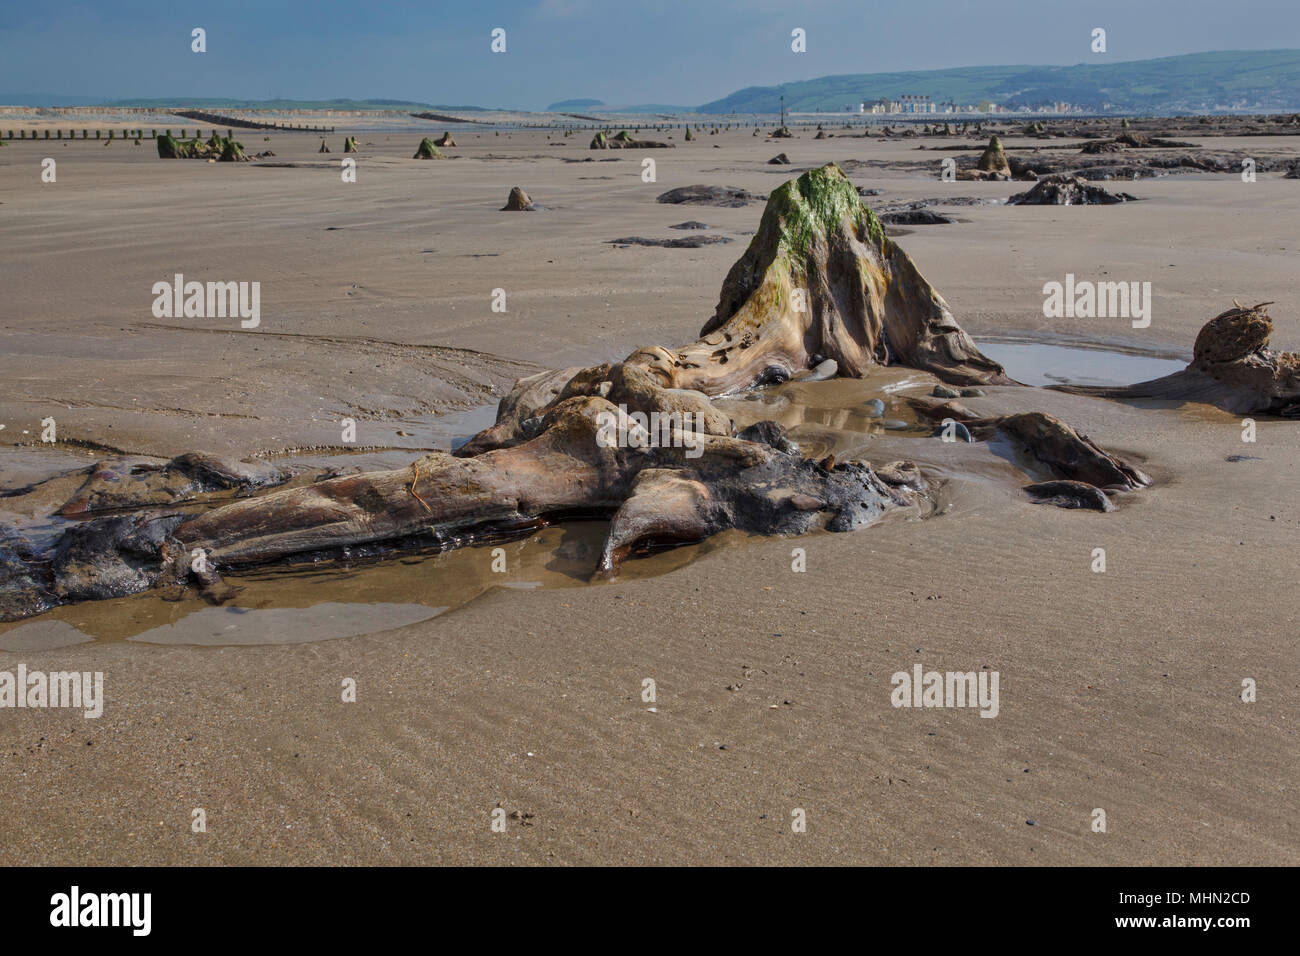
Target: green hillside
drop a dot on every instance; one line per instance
(1266, 79)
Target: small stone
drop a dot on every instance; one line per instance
(972, 393)
(875, 408)
(943, 391)
(894, 425)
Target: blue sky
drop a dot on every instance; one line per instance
(619, 51)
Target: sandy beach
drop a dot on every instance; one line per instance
(523, 690)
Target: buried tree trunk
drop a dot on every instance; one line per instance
(820, 290)
(518, 201)
(222, 148)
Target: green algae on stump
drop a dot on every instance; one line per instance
(993, 159)
(232, 152)
(221, 148)
(820, 278)
(427, 150)
(169, 148)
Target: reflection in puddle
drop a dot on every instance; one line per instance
(1041, 364)
(839, 417)
(21, 465)
(230, 625)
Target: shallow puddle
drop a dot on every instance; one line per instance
(838, 417)
(1037, 363)
(290, 604)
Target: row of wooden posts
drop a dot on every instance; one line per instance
(126, 134)
(153, 133)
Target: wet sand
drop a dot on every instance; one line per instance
(1118, 690)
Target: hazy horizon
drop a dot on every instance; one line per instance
(670, 52)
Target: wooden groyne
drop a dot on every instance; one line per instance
(234, 122)
(444, 118)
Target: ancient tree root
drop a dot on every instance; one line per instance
(820, 291)
(1078, 472)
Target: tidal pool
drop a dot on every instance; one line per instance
(1038, 363)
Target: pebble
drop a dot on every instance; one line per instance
(972, 393)
(894, 425)
(943, 391)
(875, 408)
